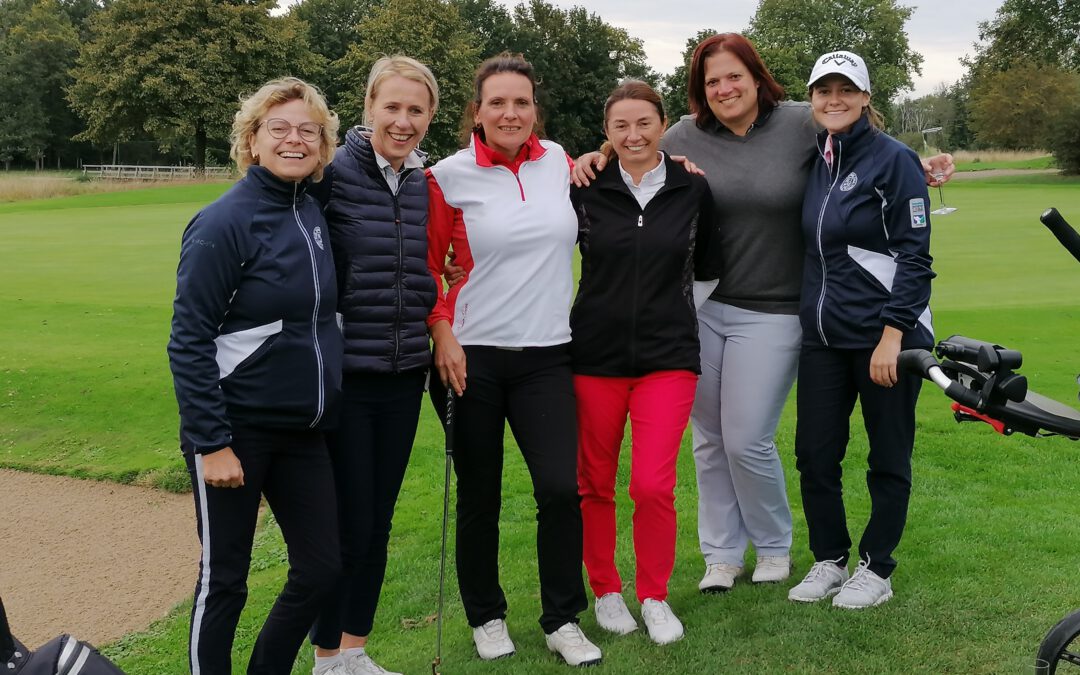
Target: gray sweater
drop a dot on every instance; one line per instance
(757, 181)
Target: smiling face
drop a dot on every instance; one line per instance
(731, 92)
(634, 128)
(838, 103)
(290, 158)
(400, 114)
(507, 112)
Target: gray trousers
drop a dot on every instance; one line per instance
(748, 365)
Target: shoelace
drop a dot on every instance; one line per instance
(861, 579)
(610, 609)
(818, 571)
(657, 612)
(369, 664)
(572, 633)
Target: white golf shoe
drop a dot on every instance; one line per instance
(572, 645)
(612, 614)
(664, 627)
(493, 641)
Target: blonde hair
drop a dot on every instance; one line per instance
(273, 93)
(400, 66)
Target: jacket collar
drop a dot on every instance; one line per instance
(281, 189)
(485, 156)
(846, 144)
(358, 141)
(764, 113)
(611, 179)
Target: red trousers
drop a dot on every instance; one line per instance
(658, 405)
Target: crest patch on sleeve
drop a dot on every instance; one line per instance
(918, 212)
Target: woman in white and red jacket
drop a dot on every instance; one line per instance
(502, 343)
(865, 296)
(645, 226)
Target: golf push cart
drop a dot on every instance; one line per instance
(982, 381)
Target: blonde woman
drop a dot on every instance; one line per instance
(377, 210)
(256, 360)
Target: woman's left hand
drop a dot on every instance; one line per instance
(883, 360)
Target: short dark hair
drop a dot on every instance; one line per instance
(769, 90)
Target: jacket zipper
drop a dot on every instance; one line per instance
(821, 252)
(315, 312)
(634, 299)
(400, 280)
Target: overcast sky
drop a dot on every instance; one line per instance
(941, 31)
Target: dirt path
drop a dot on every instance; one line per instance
(97, 560)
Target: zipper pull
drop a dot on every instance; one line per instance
(639, 220)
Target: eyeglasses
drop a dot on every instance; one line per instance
(279, 128)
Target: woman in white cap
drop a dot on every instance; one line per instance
(865, 296)
(757, 150)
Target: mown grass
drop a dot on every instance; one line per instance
(986, 567)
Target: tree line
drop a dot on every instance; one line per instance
(162, 80)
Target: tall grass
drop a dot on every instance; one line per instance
(986, 567)
(28, 185)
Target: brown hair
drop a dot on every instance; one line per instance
(505, 62)
(769, 90)
(273, 93)
(630, 90)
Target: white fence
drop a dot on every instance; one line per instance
(133, 172)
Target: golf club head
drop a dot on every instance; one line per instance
(943, 211)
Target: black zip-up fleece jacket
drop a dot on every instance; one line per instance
(254, 338)
(634, 312)
(380, 243)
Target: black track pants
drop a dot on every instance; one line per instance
(830, 380)
(370, 451)
(532, 389)
(292, 469)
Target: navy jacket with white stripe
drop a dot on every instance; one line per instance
(866, 225)
(254, 337)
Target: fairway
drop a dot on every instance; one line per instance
(988, 563)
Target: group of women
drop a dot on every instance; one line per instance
(280, 397)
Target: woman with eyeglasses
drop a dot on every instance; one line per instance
(256, 353)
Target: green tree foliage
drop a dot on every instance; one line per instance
(676, 99)
(1066, 141)
(491, 25)
(430, 31)
(38, 46)
(176, 69)
(332, 25)
(1045, 32)
(790, 34)
(1022, 107)
(579, 59)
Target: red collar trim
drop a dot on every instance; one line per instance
(487, 157)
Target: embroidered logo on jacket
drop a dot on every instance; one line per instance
(317, 233)
(849, 182)
(918, 212)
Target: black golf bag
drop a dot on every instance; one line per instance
(61, 656)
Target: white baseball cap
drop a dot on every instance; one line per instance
(847, 64)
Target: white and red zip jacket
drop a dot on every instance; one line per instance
(513, 229)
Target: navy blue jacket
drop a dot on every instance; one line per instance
(385, 291)
(254, 338)
(866, 224)
(634, 312)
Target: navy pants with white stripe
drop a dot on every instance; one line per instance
(292, 469)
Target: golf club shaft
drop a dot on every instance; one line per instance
(445, 522)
